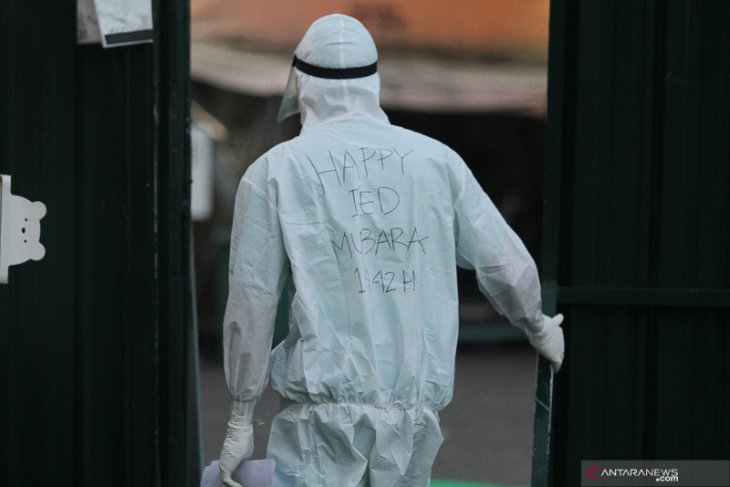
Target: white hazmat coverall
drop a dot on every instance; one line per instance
(365, 222)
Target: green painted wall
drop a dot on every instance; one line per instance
(637, 231)
(97, 383)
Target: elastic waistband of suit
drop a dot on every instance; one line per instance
(285, 403)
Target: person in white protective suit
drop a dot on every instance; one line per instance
(364, 223)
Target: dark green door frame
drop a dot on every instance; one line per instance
(97, 340)
(636, 238)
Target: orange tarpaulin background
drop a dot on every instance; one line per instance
(472, 26)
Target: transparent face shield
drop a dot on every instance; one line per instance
(290, 100)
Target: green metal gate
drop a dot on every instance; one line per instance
(637, 233)
(97, 361)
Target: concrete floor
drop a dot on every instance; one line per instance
(487, 428)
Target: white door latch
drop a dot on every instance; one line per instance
(20, 229)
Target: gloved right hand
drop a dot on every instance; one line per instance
(237, 447)
(550, 341)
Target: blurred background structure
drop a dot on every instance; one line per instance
(471, 73)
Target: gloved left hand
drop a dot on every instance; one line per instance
(549, 341)
(237, 447)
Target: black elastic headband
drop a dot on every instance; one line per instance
(335, 73)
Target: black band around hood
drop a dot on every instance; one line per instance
(335, 73)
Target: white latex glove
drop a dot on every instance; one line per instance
(237, 447)
(550, 341)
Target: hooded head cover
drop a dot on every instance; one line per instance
(334, 73)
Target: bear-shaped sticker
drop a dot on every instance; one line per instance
(20, 229)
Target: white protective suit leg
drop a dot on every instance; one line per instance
(359, 445)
